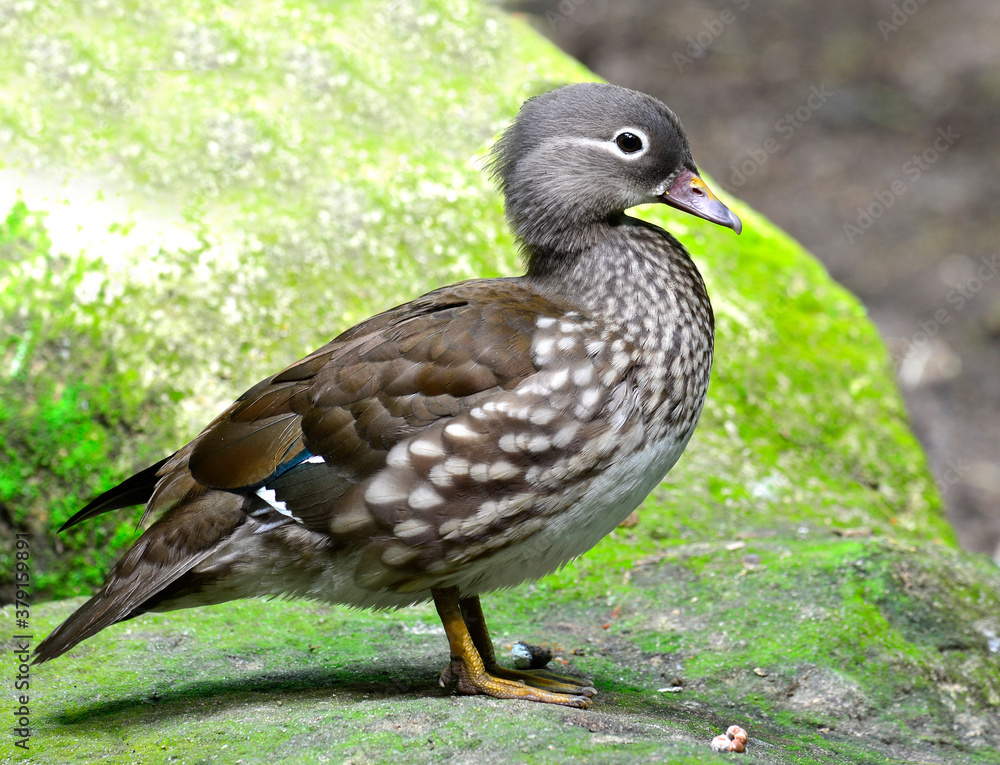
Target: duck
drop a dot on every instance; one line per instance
(478, 437)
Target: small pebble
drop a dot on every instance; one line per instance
(734, 740)
(527, 656)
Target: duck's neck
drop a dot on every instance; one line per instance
(635, 277)
(548, 229)
(640, 284)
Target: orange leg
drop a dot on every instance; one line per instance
(473, 662)
(472, 613)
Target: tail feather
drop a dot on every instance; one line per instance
(171, 547)
(93, 616)
(132, 491)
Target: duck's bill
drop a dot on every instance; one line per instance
(692, 195)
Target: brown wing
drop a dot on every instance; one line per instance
(351, 401)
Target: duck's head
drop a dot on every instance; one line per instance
(583, 154)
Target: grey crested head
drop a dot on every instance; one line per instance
(577, 157)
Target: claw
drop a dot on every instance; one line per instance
(446, 677)
(474, 680)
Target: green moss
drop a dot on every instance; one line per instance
(66, 408)
(874, 619)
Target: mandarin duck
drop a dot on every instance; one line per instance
(475, 438)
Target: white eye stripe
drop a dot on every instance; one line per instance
(612, 147)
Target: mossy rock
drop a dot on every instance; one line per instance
(826, 651)
(177, 235)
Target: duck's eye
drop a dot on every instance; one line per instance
(629, 143)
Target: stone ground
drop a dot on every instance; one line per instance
(887, 655)
(872, 84)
